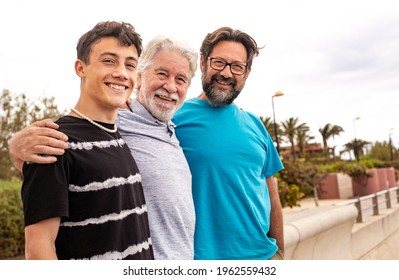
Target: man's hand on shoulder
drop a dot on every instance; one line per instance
(39, 138)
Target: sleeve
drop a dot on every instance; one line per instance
(45, 191)
(273, 162)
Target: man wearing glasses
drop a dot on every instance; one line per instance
(232, 158)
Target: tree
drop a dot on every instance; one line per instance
(303, 138)
(16, 112)
(305, 175)
(290, 130)
(269, 125)
(357, 146)
(382, 151)
(328, 131)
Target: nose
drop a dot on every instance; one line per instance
(170, 86)
(226, 72)
(121, 72)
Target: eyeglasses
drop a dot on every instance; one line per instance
(235, 67)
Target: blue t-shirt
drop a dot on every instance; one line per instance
(230, 155)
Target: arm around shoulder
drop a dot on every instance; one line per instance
(35, 140)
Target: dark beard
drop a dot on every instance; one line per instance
(219, 98)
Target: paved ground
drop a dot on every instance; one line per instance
(309, 202)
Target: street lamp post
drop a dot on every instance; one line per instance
(277, 94)
(390, 143)
(354, 125)
(356, 146)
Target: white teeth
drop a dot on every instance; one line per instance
(117, 87)
(223, 83)
(165, 97)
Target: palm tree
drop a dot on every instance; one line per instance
(328, 131)
(269, 125)
(357, 145)
(290, 129)
(303, 137)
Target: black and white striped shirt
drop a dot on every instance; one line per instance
(95, 187)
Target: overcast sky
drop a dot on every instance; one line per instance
(333, 60)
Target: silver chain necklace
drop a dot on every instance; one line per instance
(94, 123)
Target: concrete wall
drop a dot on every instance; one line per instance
(329, 187)
(391, 177)
(344, 186)
(383, 182)
(336, 185)
(339, 185)
(330, 233)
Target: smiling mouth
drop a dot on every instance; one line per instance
(166, 98)
(223, 82)
(117, 87)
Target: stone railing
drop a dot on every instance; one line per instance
(332, 233)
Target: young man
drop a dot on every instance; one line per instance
(165, 70)
(89, 204)
(231, 156)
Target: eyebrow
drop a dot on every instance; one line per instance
(115, 55)
(235, 61)
(161, 68)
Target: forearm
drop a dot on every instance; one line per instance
(276, 215)
(40, 250)
(277, 225)
(40, 240)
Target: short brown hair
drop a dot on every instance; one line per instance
(122, 31)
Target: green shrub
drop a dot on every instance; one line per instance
(290, 195)
(11, 220)
(356, 170)
(304, 175)
(372, 163)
